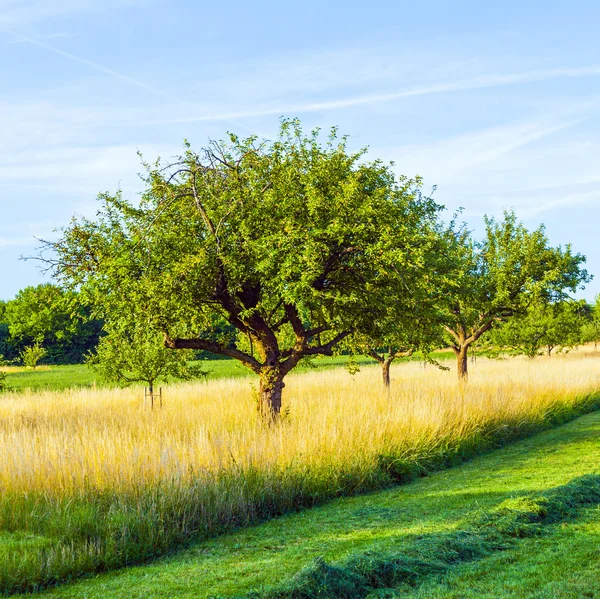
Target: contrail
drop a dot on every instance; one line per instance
(102, 69)
(93, 65)
(465, 85)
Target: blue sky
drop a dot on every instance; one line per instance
(498, 104)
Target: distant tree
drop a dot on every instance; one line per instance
(542, 326)
(32, 355)
(138, 355)
(7, 350)
(591, 326)
(401, 333)
(295, 243)
(54, 318)
(500, 277)
(3, 383)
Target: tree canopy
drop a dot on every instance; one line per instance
(543, 326)
(591, 327)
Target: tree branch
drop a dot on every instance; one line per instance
(479, 332)
(371, 352)
(452, 332)
(327, 348)
(215, 348)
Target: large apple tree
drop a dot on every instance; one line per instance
(295, 243)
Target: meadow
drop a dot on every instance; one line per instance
(93, 480)
(58, 378)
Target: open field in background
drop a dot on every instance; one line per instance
(58, 378)
(92, 480)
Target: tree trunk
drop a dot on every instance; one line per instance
(462, 362)
(151, 392)
(385, 368)
(269, 395)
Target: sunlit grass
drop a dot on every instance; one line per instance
(105, 481)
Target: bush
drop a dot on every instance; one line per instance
(32, 355)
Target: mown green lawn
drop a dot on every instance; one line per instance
(563, 562)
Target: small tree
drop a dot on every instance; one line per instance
(32, 354)
(401, 334)
(409, 324)
(547, 326)
(591, 326)
(136, 355)
(500, 277)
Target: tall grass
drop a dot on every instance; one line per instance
(93, 480)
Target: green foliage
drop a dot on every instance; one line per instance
(32, 355)
(3, 383)
(352, 365)
(294, 244)
(7, 349)
(133, 354)
(52, 317)
(547, 326)
(491, 281)
(591, 327)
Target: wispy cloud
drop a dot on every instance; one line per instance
(25, 12)
(444, 160)
(17, 241)
(481, 82)
(48, 36)
(111, 72)
(546, 204)
(92, 65)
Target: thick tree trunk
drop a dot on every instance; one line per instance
(269, 395)
(385, 370)
(462, 362)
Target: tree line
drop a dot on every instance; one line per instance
(49, 323)
(271, 253)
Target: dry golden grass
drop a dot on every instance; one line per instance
(13, 369)
(64, 444)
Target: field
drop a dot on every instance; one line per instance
(560, 561)
(58, 378)
(93, 480)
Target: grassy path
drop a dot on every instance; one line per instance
(560, 564)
